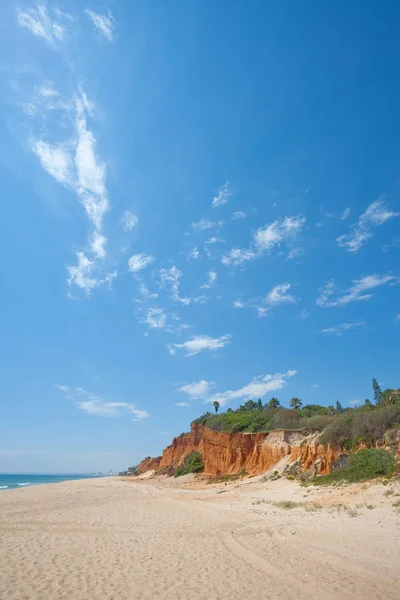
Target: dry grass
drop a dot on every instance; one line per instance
(287, 504)
(257, 501)
(312, 506)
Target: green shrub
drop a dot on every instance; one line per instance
(287, 419)
(193, 464)
(319, 422)
(344, 428)
(339, 431)
(360, 425)
(371, 463)
(310, 410)
(364, 465)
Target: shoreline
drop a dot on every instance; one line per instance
(35, 477)
(117, 538)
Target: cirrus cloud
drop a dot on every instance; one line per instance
(199, 343)
(357, 292)
(222, 196)
(137, 262)
(375, 215)
(104, 24)
(197, 389)
(339, 330)
(257, 388)
(93, 404)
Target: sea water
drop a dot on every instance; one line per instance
(13, 481)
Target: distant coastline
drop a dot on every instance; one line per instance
(12, 481)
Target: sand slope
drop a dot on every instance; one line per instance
(111, 539)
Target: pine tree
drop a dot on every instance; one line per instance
(259, 404)
(339, 407)
(377, 391)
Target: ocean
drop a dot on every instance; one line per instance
(10, 481)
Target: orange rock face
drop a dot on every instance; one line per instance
(229, 453)
(149, 464)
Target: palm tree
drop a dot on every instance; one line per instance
(216, 406)
(274, 403)
(389, 397)
(296, 403)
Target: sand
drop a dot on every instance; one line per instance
(111, 539)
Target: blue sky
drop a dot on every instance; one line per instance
(200, 201)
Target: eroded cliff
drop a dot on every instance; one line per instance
(229, 453)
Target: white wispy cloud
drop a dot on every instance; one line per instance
(209, 243)
(40, 24)
(346, 214)
(48, 90)
(95, 405)
(278, 295)
(205, 224)
(358, 291)
(238, 257)
(342, 328)
(91, 172)
(257, 388)
(238, 304)
(295, 253)
(376, 215)
(48, 98)
(104, 24)
(56, 160)
(304, 314)
(169, 278)
(75, 165)
(222, 196)
(199, 343)
(212, 278)
(112, 409)
(326, 292)
(239, 214)
(198, 389)
(81, 274)
(62, 15)
(137, 262)
(98, 243)
(129, 221)
(193, 254)
(182, 404)
(155, 318)
(200, 299)
(214, 240)
(85, 274)
(283, 230)
(145, 292)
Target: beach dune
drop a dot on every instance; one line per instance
(109, 539)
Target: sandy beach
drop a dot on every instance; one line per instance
(113, 539)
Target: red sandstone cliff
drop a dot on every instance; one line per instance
(229, 453)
